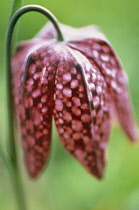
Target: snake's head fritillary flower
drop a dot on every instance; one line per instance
(80, 82)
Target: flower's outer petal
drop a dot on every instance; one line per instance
(34, 104)
(25, 48)
(19, 60)
(71, 33)
(82, 110)
(107, 61)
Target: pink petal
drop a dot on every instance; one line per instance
(102, 54)
(70, 33)
(47, 32)
(35, 89)
(82, 110)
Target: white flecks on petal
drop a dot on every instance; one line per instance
(67, 77)
(80, 88)
(61, 130)
(37, 120)
(84, 106)
(39, 105)
(93, 113)
(103, 145)
(38, 135)
(43, 73)
(77, 125)
(76, 111)
(114, 85)
(100, 114)
(45, 131)
(43, 99)
(28, 102)
(89, 95)
(92, 86)
(36, 93)
(85, 118)
(29, 125)
(106, 49)
(81, 95)
(36, 75)
(60, 120)
(30, 82)
(96, 46)
(67, 116)
(96, 101)
(69, 104)
(59, 86)
(99, 90)
(74, 84)
(67, 92)
(94, 77)
(58, 105)
(105, 57)
(44, 109)
(77, 136)
(32, 68)
(76, 101)
(78, 76)
(73, 70)
(79, 154)
(95, 53)
(66, 135)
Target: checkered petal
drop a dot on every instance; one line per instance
(34, 106)
(82, 110)
(102, 54)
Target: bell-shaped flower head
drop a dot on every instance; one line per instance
(80, 82)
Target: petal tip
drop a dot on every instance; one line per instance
(134, 135)
(100, 174)
(97, 172)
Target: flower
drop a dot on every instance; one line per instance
(82, 83)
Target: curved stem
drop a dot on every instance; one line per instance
(16, 4)
(11, 138)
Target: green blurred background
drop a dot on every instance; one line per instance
(65, 185)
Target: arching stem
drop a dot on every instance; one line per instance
(10, 130)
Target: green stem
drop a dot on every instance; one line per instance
(11, 138)
(15, 180)
(15, 5)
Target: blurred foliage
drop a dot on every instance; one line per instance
(65, 185)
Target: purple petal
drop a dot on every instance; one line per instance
(102, 54)
(82, 110)
(34, 103)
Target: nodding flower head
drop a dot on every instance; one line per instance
(79, 81)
